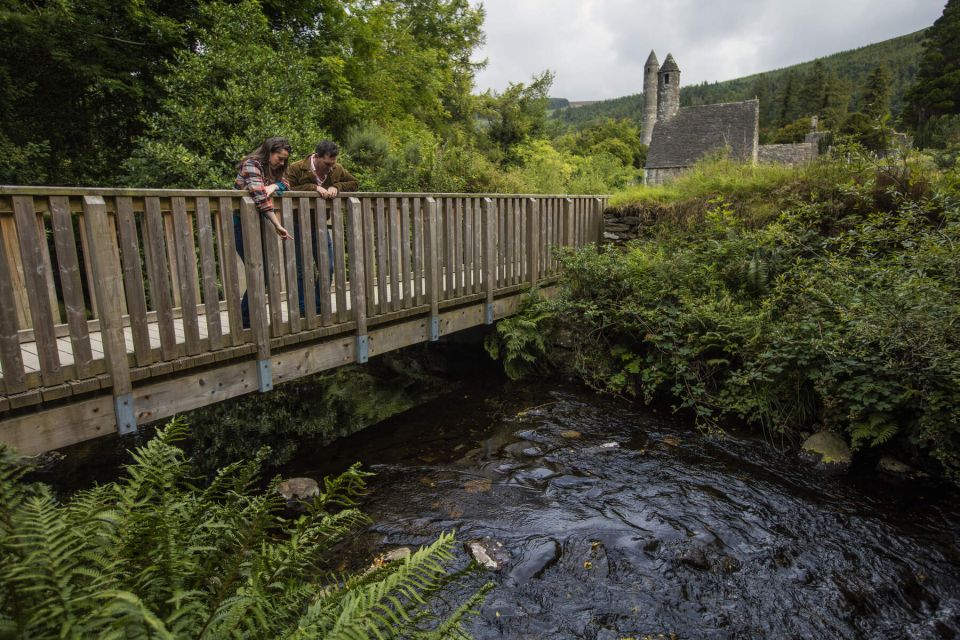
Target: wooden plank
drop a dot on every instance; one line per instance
(35, 273)
(449, 240)
(228, 269)
(309, 267)
(323, 255)
(406, 288)
(71, 284)
(458, 269)
(489, 223)
(568, 231)
(272, 259)
(478, 245)
(393, 228)
(431, 229)
(14, 376)
(290, 266)
(340, 259)
(468, 237)
(418, 272)
(369, 240)
(186, 273)
(208, 271)
(170, 243)
(109, 290)
(513, 255)
(358, 280)
(253, 259)
(132, 279)
(44, 247)
(533, 240)
(383, 251)
(160, 295)
(8, 227)
(597, 221)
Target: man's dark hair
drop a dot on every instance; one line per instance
(327, 147)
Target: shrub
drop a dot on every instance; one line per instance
(154, 555)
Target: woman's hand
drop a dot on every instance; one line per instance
(270, 189)
(283, 233)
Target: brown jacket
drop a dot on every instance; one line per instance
(302, 178)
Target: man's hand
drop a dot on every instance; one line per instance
(333, 192)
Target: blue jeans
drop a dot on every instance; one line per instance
(298, 254)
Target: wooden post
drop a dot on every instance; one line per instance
(208, 275)
(272, 257)
(290, 265)
(533, 240)
(256, 290)
(355, 236)
(307, 264)
(489, 254)
(393, 227)
(109, 290)
(598, 220)
(369, 257)
(432, 266)
(339, 257)
(468, 245)
(406, 283)
(383, 251)
(418, 272)
(159, 281)
(568, 237)
(323, 255)
(14, 378)
(228, 269)
(35, 273)
(186, 264)
(132, 280)
(71, 284)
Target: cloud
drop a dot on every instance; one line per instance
(597, 47)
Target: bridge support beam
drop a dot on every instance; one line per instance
(264, 376)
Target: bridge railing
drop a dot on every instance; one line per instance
(100, 288)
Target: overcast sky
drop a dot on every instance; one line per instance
(597, 47)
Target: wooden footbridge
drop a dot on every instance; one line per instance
(121, 307)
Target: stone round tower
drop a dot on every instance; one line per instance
(668, 89)
(650, 70)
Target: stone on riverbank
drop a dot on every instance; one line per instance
(828, 450)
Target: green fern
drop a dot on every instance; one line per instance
(152, 555)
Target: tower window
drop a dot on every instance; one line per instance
(666, 78)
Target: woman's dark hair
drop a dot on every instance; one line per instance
(262, 155)
(327, 148)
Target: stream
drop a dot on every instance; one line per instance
(609, 520)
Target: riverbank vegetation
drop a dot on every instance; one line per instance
(826, 296)
(154, 555)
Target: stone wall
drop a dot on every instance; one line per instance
(787, 153)
(619, 227)
(654, 177)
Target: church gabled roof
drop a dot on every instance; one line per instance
(669, 64)
(696, 131)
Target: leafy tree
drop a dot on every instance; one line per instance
(875, 95)
(936, 90)
(518, 113)
(242, 83)
(77, 75)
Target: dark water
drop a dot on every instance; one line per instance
(671, 532)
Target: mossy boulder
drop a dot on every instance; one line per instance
(828, 451)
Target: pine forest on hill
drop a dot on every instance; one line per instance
(840, 74)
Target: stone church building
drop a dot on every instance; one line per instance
(680, 136)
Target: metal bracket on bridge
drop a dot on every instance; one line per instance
(489, 315)
(363, 349)
(264, 375)
(123, 409)
(434, 328)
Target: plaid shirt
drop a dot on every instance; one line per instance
(251, 178)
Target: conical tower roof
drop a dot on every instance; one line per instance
(652, 59)
(669, 64)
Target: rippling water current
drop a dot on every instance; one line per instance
(667, 532)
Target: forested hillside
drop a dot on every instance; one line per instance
(786, 93)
